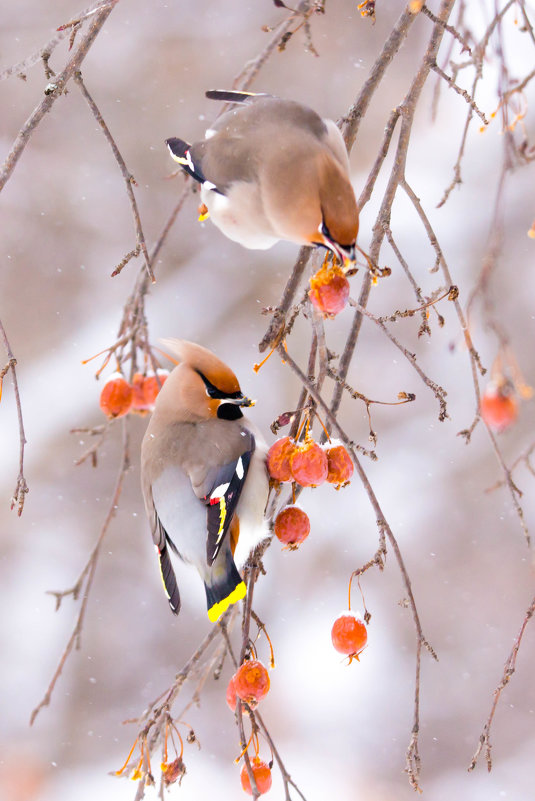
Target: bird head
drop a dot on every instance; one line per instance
(201, 387)
(339, 224)
(344, 252)
(311, 201)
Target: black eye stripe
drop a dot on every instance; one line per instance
(216, 393)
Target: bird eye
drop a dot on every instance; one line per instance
(217, 394)
(325, 231)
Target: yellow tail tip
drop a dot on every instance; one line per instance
(215, 611)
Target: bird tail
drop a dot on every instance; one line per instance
(224, 586)
(169, 579)
(180, 152)
(232, 96)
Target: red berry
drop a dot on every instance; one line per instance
(499, 407)
(349, 634)
(231, 694)
(261, 773)
(278, 459)
(172, 771)
(251, 682)
(151, 388)
(138, 382)
(292, 526)
(329, 290)
(340, 466)
(117, 396)
(309, 464)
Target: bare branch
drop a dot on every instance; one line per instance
(509, 669)
(462, 92)
(52, 92)
(85, 581)
(21, 488)
(413, 764)
(127, 175)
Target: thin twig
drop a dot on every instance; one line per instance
(509, 669)
(127, 175)
(21, 488)
(462, 92)
(83, 585)
(407, 110)
(349, 126)
(45, 52)
(437, 390)
(450, 28)
(52, 92)
(413, 762)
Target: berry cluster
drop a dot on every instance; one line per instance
(250, 684)
(119, 397)
(309, 464)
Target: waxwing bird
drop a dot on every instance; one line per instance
(204, 477)
(273, 169)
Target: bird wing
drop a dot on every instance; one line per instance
(226, 485)
(161, 541)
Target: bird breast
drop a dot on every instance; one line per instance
(240, 215)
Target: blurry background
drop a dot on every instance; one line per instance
(65, 223)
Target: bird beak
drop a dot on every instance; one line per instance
(243, 401)
(347, 256)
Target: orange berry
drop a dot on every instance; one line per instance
(278, 459)
(117, 396)
(251, 682)
(151, 388)
(498, 407)
(172, 771)
(139, 395)
(340, 466)
(349, 634)
(261, 773)
(292, 526)
(329, 291)
(309, 464)
(231, 694)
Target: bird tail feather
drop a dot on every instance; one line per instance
(233, 96)
(169, 579)
(224, 587)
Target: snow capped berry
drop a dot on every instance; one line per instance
(117, 396)
(329, 290)
(231, 694)
(349, 634)
(499, 406)
(292, 526)
(251, 682)
(309, 464)
(340, 466)
(261, 773)
(151, 387)
(278, 459)
(138, 382)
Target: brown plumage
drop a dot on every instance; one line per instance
(203, 476)
(273, 169)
